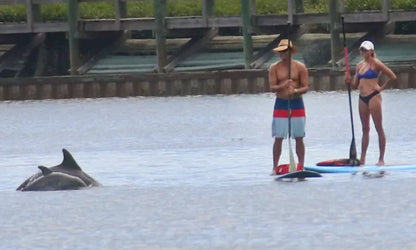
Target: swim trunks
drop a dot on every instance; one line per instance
(280, 124)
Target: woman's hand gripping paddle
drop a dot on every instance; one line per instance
(353, 152)
(292, 164)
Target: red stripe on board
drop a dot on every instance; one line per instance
(285, 113)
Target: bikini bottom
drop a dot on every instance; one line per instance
(366, 99)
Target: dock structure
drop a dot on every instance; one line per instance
(30, 42)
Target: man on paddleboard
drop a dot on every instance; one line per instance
(289, 90)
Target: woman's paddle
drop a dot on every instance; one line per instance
(353, 152)
(292, 164)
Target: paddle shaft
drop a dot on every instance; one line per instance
(353, 151)
(292, 164)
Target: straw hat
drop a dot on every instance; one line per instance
(283, 45)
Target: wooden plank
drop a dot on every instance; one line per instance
(50, 27)
(402, 16)
(199, 22)
(110, 24)
(261, 22)
(315, 18)
(48, 1)
(271, 20)
(13, 28)
(365, 17)
(231, 21)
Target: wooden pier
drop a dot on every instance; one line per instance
(108, 33)
(198, 28)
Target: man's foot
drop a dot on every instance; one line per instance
(380, 163)
(362, 162)
(273, 172)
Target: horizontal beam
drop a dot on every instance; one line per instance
(198, 22)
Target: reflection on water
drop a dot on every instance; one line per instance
(192, 172)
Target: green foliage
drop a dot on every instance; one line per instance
(404, 4)
(267, 7)
(184, 8)
(359, 5)
(316, 6)
(140, 9)
(12, 13)
(54, 12)
(227, 7)
(96, 10)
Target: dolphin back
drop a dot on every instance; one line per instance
(68, 175)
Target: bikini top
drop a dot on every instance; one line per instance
(369, 74)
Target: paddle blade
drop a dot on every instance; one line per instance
(353, 151)
(353, 154)
(292, 164)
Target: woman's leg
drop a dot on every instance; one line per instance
(377, 115)
(365, 123)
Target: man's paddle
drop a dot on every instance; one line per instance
(353, 152)
(292, 164)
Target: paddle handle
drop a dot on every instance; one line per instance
(347, 65)
(353, 150)
(292, 164)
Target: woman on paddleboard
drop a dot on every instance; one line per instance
(366, 79)
(288, 88)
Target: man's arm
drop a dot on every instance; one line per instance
(275, 85)
(303, 80)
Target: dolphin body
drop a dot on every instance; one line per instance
(66, 176)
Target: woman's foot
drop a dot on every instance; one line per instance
(380, 163)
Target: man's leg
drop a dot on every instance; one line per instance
(277, 151)
(300, 150)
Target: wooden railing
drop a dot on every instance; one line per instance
(207, 19)
(250, 22)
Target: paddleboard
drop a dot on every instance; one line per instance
(339, 162)
(354, 169)
(299, 174)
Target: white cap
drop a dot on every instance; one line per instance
(367, 45)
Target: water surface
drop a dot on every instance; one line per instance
(192, 173)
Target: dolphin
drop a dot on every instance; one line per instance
(68, 168)
(50, 181)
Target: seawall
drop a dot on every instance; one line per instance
(172, 84)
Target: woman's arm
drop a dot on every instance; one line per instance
(388, 72)
(355, 81)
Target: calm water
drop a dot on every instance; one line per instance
(192, 173)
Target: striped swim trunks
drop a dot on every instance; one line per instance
(280, 125)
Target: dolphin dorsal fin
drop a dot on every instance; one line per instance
(45, 170)
(68, 161)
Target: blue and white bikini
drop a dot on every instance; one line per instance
(369, 74)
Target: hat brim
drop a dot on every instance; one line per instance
(293, 49)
